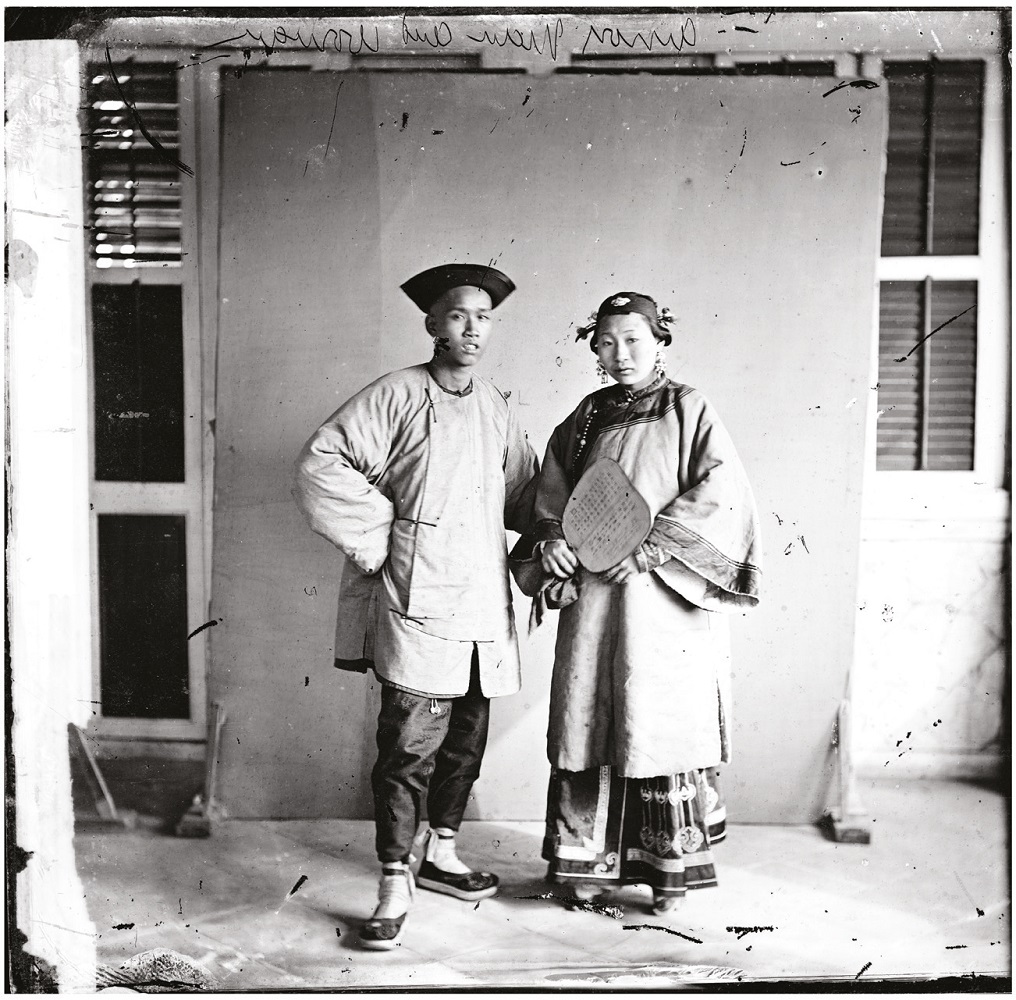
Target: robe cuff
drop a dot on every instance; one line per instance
(649, 557)
(360, 666)
(737, 581)
(547, 530)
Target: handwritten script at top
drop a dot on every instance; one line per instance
(545, 40)
(333, 40)
(527, 41)
(616, 38)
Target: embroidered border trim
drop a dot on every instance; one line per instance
(674, 865)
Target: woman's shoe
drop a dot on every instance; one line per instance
(588, 892)
(665, 903)
(383, 931)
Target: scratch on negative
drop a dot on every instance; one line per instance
(657, 927)
(72, 930)
(928, 336)
(296, 888)
(742, 931)
(743, 144)
(152, 141)
(201, 628)
(335, 111)
(863, 84)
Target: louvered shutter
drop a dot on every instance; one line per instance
(906, 177)
(133, 188)
(956, 128)
(926, 403)
(899, 383)
(933, 158)
(926, 400)
(952, 356)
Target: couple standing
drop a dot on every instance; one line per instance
(416, 479)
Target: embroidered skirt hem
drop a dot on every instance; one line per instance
(605, 829)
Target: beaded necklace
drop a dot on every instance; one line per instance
(586, 434)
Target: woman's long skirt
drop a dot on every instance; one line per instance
(606, 829)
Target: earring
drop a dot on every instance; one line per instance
(602, 372)
(661, 363)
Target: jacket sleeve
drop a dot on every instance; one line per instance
(336, 475)
(552, 490)
(521, 471)
(709, 535)
(554, 486)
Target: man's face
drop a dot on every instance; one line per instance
(460, 324)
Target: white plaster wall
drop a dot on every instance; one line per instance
(929, 679)
(48, 546)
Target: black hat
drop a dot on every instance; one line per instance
(428, 286)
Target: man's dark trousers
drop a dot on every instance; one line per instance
(426, 747)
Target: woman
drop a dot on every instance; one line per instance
(638, 704)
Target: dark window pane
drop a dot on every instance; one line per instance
(901, 326)
(956, 126)
(926, 401)
(137, 332)
(143, 616)
(933, 158)
(952, 358)
(133, 188)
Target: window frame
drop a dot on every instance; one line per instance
(192, 497)
(981, 491)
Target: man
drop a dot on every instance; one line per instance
(415, 479)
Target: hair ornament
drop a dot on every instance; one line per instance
(589, 327)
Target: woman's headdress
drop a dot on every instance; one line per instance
(622, 303)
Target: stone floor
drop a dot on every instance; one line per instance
(928, 898)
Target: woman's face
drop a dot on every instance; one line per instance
(626, 347)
